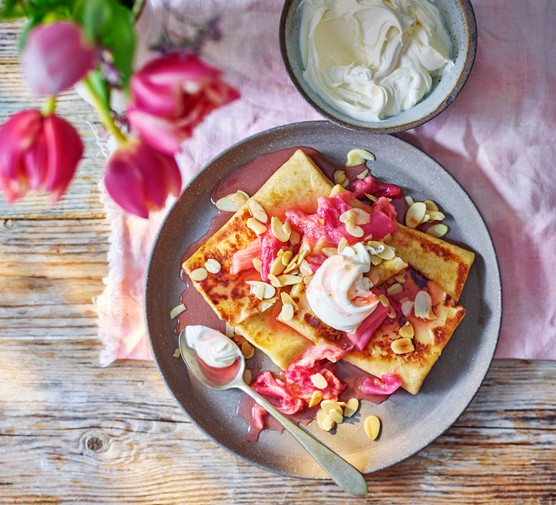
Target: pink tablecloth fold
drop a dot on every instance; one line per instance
(498, 139)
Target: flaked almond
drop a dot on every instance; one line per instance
(352, 406)
(336, 417)
(324, 422)
(247, 376)
(340, 178)
(264, 305)
(342, 244)
(262, 290)
(199, 274)
(213, 266)
(363, 174)
(247, 350)
(348, 217)
(383, 300)
(435, 215)
(256, 226)
(232, 202)
(177, 310)
(274, 281)
(280, 230)
(287, 312)
(402, 345)
(286, 298)
(394, 288)
(297, 290)
(336, 190)
(319, 381)
(277, 267)
(400, 278)
(316, 398)
(431, 205)
(295, 237)
(361, 216)
(287, 257)
(358, 157)
(372, 427)
(409, 200)
(407, 307)
(329, 405)
(388, 253)
(438, 230)
(415, 214)
(289, 280)
(257, 264)
(407, 330)
(371, 198)
(355, 231)
(422, 304)
(329, 251)
(305, 269)
(256, 209)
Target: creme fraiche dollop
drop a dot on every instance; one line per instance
(213, 347)
(339, 293)
(372, 59)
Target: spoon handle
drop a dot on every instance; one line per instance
(341, 472)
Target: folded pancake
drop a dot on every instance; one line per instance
(378, 357)
(296, 184)
(438, 260)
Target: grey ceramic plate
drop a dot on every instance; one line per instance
(409, 422)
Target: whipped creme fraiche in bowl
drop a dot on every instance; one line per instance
(380, 65)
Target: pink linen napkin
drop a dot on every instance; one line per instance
(498, 139)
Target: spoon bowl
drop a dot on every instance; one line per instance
(339, 470)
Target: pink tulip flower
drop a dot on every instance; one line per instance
(139, 178)
(37, 153)
(56, 56)
(171, 95)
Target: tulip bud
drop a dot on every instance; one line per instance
(139, 179)
(37, 153)
(56, 56)
(171, 95)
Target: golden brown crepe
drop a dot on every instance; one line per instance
(297, 185)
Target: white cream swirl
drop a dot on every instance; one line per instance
(213, 347)
(371, 59)
(337, 292)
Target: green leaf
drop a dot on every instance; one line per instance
(101, 89)
(110, 24)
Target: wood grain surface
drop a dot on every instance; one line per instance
(73, 432)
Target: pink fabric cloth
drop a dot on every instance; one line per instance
(498, 139)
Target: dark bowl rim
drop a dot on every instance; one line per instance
(470, 49)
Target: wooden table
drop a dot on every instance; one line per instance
(73, 432)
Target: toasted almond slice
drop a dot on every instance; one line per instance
(400, 278)
(232, 202)
(261, 216)
(351, 407)
(177, 310)
(256, 226)
(340, 178)
(358, 157)
(264, 305)
(247, 350)
(438, 230)
(305, 269)
(279, 230)
(402, 345)
(336, 417)
(383, 300)
(348, 216)
(415, 214)
(254, 207)
(431, 205)
(199, 274)
(324, 422)
(274, 281)
(286, 298)
(316, 398)
(407, 330)
(435, 215)
(342, 244)
(213, 266)
(287, 257)
(257, 264)
(422, 304)
(319, 381)
(363, 174)
(355, 231)
(177, 353)
(247, 376)
(388, 253)
(372, 427)
(262, 290)
(407, 308)
(286, 314)
(329, 405)
(409, 200)
(329, 251)
(336, 190)
(394, 288)
(277, 267)
(295, 237)
(361, 216)
(289, 280)
(376, 260)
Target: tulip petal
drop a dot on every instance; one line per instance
(159, 133)
(56, 56)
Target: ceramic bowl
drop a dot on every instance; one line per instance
(459, 20)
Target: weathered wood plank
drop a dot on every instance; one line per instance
(79, 433)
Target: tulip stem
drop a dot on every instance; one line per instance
(49, 106)
(104, 112)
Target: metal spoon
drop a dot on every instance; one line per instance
(341, 472)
